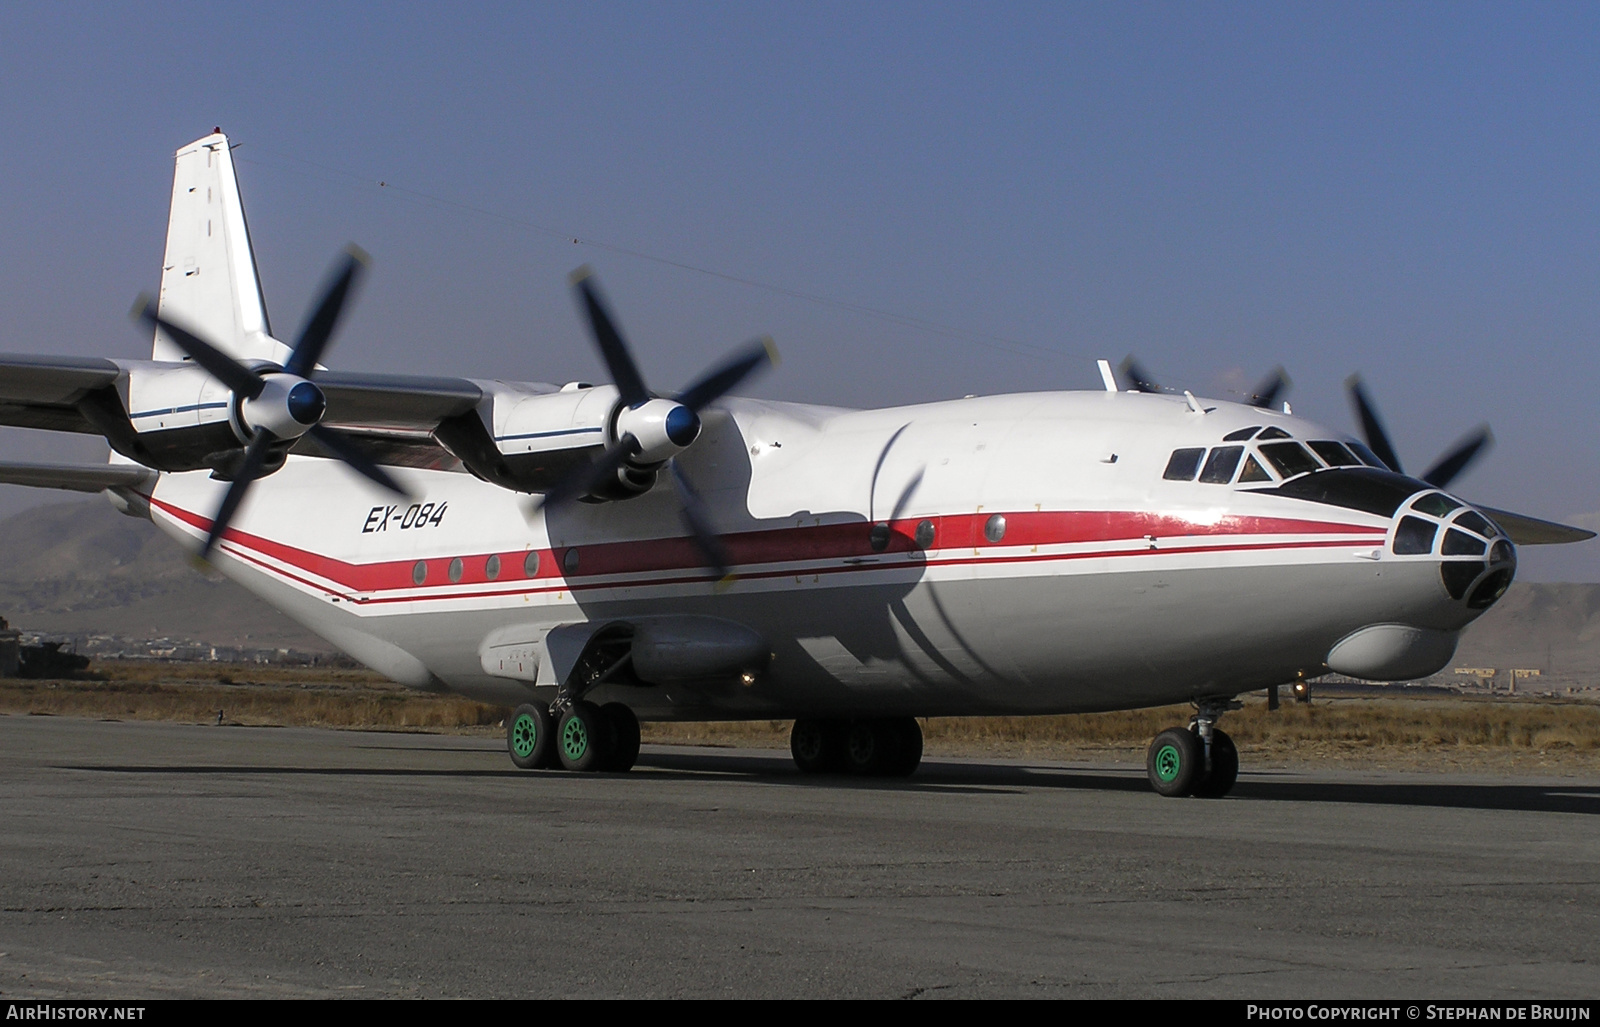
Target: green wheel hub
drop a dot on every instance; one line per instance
(1168, 762)
(574, 739)
(524, 735)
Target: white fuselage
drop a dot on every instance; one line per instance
(1111, 586)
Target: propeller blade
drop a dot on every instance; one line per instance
(586, 479)
(1271, 387)
(1448, 467)
(1136, 376)
(698, 520)
(319, 328)
(218, 364)
(713, 384)
(345, 448)
(624, 373)
(1371, 427)
(249, 470)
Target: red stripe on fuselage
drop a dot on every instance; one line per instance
(785, 545)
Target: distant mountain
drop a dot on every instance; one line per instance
(82, 568)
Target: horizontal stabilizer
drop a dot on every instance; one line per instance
(1531, 531)
(77, 477)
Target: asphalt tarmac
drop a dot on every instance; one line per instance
(144, 860)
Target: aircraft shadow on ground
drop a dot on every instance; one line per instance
(968, 778)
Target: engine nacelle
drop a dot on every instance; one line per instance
(288, 407)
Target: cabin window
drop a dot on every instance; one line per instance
(924, 535)
(1183, 464)
(456, 570)
(1290, 458)
(1414, 536)
(1223, 462)
(419, 572)
(530, 563)
(994, 529)
(569, 562)
(878, 538)
(1253, 471)
(1334, 454)
(491, 567)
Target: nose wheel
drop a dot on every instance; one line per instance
(1199, 760)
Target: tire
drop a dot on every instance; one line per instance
(530, 736)
(872, 747)
(908, 748)
(1175, 762)
(584, 737)
(624, 736)
(817, 745)
(1224, 768)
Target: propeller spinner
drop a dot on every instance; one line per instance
(273, 407)
(651, 430)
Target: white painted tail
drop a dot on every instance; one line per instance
(208, 279)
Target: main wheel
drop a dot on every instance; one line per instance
(817, 745)
(624, 734)
(1175, 761)
(584, 737)
(529, 737)
(873, 747)
(1224, 767)
(908, 747)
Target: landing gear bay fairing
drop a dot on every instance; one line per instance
(590, 556)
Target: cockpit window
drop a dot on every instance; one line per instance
(1242, 434)
(1436, 503)
(1220, 466)
(1334, 454)
(1274, 433)
(1253, 471)
(1290, 458)
(1183, 464)
(1367, 456)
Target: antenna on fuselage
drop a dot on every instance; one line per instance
(1107, 376)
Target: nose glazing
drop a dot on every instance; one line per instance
(1477, 562)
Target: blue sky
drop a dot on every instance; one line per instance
(969, 198)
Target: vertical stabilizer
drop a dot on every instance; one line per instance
(208, 278)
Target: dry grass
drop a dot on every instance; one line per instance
(1454, 732)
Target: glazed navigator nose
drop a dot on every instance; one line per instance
(1476, 561)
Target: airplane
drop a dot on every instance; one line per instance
(591, 556)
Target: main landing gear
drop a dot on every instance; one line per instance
(576, 735)
(871, 747)
(1200, 760)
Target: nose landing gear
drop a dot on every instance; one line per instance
(1200, 760)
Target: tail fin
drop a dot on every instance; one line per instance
(208, 279)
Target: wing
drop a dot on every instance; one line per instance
(1531, 531)
(93, 478)
(173, 416)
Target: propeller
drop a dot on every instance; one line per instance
(1266, 393)
(1444, 470)
(276, 407)
(650, 430)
